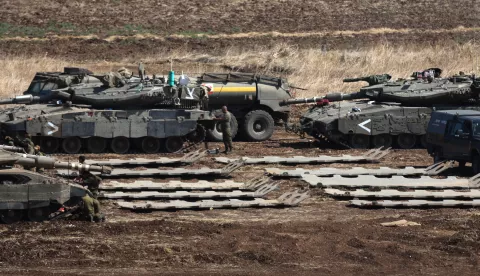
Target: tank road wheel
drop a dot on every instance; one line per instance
(173, 144)
(11, 216)
(96, 144)
(258, 126)
(360, 141)
(215, 135)
(406, 140)
(72, 145)
(382, 140)
(150, 144)
(49, 144)
(39, 214)
(198, 135)
(120, 144)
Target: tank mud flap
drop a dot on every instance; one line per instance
(260, 192)
(286, 200)
(188, 158)
(373, 155)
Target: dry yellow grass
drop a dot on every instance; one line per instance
(318, 71)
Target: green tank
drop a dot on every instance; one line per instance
(27, 194)
(73, 112)
(385, 112)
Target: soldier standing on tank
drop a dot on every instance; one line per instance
(226, 118)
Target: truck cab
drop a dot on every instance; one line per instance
(455, 135)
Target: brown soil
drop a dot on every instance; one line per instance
(320, 237)
(180, 25)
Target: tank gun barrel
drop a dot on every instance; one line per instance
(11, 148)
(331, 97)
(51, 163)
(23, 99)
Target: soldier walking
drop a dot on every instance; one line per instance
(226, 118)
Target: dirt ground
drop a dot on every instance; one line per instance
(322, 236)
(115, 29)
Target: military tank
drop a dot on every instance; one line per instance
(27, 194)
(74, 112)
(386, 112)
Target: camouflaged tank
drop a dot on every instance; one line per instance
(27, 194)
(385, 112)
(75, 111)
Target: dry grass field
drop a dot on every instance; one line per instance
(317, 70)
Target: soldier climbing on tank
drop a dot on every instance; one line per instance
(88, 179)
(39, 153)
(91, 209)
(27, 144)
(9, 141)
(225, 120)
(204, 96)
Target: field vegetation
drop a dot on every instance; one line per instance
(318, 70)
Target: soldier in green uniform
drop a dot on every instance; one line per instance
(91, 181)
(27, 144)
(39, 153)
(9, 141)
(226, 118)
(91, 209)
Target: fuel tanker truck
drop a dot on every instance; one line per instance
(386, 113)
(254, 101)
(35, 196)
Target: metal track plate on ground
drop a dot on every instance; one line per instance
(444, 194)
(371, 156)
(364, 181)
(354, 171)
(286, 200)
(260, 192)
(186, 159)
(415, 203)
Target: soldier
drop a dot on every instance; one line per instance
(91, 209)
(81, 159)
(27, 144)
(226, 118)
(91, 181)
(9, 141)
(39, 153)
(204, 96)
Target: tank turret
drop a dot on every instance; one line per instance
(386, 113)
(35, 196)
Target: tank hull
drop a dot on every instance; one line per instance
(364, 124)
(50, 126)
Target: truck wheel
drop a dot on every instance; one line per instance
(215, 134)
(476, 164)
(258, 125)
